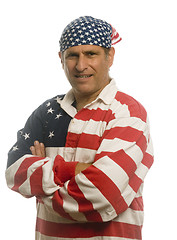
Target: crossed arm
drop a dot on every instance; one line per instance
(39, 150)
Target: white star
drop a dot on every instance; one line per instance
(48, 104)
(58, 116)
(26, 135)
(50, 110)
(51, 134)
(15, 148)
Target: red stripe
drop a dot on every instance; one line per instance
(124, 161)
(36, 182)
(135, 108)
(137, 204)
(135, 183)
(85, 206)
(83, 141)
(57, 203)
(95, 114)
(21, 174)
(127, 134)
(107, 187)
(148, 160)
(88, 230)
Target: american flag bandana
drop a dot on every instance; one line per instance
(88, 31)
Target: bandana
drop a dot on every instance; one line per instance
(88, 31)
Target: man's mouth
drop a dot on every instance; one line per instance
(83, 76)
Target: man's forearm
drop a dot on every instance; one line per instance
(39, 150)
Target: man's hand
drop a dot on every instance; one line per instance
(38, 149)
(81, 167)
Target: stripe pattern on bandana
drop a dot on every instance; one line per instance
(88, 31)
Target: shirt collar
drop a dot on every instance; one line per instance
(107, 95)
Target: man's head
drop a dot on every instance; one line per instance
(88, 31)
(86, 54)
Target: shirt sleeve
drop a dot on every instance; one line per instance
(31, 175)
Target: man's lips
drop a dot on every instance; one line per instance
(84, 76)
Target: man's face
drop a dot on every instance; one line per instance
(87, 68)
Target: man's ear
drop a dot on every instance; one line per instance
(61, 58)
(111, 56)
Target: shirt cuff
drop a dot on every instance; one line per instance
(63, 171)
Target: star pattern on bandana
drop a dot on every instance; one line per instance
(86, 31)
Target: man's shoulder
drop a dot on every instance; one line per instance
(134, 107)
(49, 106)
(51, 102)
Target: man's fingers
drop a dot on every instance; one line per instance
(42, 150)
(33, 150)
(38, 149)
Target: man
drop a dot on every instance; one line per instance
(84, 155)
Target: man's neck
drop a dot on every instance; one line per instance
(82, 101)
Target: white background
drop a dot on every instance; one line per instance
(144, 67)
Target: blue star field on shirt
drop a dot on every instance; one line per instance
(88, 31)
(42, 125)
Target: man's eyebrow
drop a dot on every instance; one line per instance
(71, 53)
(91, 51)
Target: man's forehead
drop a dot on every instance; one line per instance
(84, 48)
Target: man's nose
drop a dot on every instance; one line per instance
(81, 63)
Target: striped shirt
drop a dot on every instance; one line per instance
(105, 200)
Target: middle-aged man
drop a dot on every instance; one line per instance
(84, 155)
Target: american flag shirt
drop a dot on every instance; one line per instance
(105, 200)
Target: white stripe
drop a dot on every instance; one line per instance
(54, 151)
(48, 184)
(40, 236)
(130, 148)
(25, 188)
(85, 155)
(141, 171)
(66, 152)
(120, 110)
(100, 203)
(91, 127)
(35, 165)
(70, 205)
(128, 195)
(113, 171)
(72, 154)
(133, 122)
(113, 145)
(135, 153)
(46, 212)
(11, 171)
(131, 216)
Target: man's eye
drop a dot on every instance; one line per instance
(91, 53)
